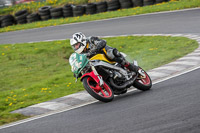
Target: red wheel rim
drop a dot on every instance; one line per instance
(104, 91)
(145, 81)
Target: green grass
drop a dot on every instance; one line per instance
(169, 6)
(31, 73)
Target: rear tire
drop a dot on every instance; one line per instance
(143, 84)
(104, 94)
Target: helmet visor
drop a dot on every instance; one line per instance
(76, 46)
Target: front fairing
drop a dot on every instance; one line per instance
(78, 63)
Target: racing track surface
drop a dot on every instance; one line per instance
(166, 23)
(171, 106)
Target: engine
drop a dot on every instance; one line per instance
(117, 75)
(118, 78)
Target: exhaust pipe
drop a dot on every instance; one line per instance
(125, 85)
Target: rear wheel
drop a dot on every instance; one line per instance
(143, 83)
(104, 93)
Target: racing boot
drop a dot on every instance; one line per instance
(136, 69)
(118, 57)
(132, 67)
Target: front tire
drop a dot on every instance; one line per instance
(104, 94)
(143, 84)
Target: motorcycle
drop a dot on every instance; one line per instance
(103, 78)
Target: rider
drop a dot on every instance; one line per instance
(93, 45)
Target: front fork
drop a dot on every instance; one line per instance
(96, 74)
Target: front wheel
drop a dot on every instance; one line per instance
(143, 83)
(104, 93)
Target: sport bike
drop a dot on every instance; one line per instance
(103, 78)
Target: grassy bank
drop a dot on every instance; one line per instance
(34, 6)
(169, 6)
(36, 72)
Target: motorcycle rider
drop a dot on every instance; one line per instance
(93, 45)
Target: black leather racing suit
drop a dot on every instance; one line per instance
(95, 45)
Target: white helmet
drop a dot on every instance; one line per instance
(78, 38)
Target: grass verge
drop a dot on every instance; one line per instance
(169, 6)
(36, 72)
(35, 5)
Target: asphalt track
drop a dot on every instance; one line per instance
(166, 23)
(172, 106)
